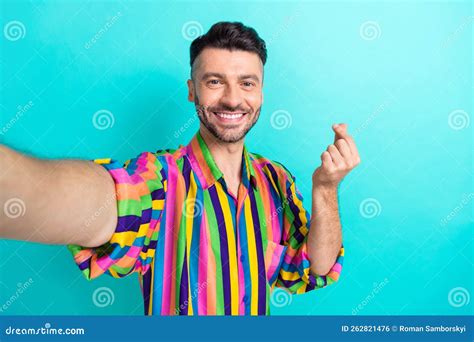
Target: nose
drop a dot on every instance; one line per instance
(232, 97)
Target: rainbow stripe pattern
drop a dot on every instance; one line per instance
(199, 249)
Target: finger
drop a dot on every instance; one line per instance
(336, 157)
(352, 146)
(326, 160)
(344, 149)
(340, 131)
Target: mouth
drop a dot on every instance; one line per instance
(229, 117)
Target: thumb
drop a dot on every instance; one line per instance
(340, 131)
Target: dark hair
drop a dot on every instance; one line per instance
(230, 36)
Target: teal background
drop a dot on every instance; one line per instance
(396, 92)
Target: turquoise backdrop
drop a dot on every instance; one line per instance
(91, 79)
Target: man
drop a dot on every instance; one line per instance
(210, 228)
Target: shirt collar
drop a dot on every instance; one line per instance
(206, 168)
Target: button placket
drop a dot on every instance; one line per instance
(241, 196)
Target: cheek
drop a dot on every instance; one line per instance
(254, 100)
(209, 97)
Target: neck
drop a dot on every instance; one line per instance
(228, 156)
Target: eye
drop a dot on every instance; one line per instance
(214, 82)
(248, 84)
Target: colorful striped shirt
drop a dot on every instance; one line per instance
(198, 249)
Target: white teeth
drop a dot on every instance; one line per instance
(230, 116)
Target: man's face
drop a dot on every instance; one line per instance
(226, 87)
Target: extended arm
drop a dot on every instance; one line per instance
(57, 201)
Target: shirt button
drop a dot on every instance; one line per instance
(245, 299)
(242, 257)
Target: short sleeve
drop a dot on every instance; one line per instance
(140, 193)
(295, 274)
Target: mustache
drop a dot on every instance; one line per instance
(223, 108)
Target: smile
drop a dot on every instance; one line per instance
(229, 116)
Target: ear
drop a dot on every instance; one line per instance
(190, 91)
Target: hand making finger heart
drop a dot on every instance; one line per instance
(338, 159)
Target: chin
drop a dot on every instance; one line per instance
(230, 138)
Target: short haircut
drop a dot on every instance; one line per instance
(230, 36)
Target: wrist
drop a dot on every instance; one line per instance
(324, 189)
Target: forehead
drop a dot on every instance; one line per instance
(227, 62)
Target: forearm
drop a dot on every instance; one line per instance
(55, 201)
(325, 235)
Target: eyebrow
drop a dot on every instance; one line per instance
(208, 75)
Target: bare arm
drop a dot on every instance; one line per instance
(55, 201)
(325, 235)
